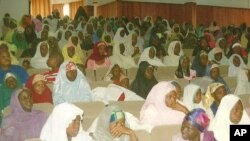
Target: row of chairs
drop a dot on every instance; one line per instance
(92, 110)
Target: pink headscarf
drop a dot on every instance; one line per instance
(20, 125)
(96, 55)
(155, 112)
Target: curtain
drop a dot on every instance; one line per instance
(41, 7)
(59, 7)
(73, 6)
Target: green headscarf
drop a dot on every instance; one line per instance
(6, 92)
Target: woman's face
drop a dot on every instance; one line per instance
(89, 28)
(215, 73)
(177, 49)
(149, 72)
(11, 82)
(122, 48)
(116, 124)
(39, 87)
(204, 43)
(122, 33)
(67, 35)
(52, 62)
(116, 71)
(185, 64)
(74, 40)
(236, 112)
(102, 50)
(125, 83)
(188, 131)
(107, 38)
(204, 60)
(197, 98)
(236, 61)
(71, 51)
(218, 56)
(170, 99)
(73, 128)
(219, 93)
(237, 50)
(25, 100)
(109, 28)
(223, 43)
(71, 75)
(44, 35)
(44, 49)
(151, 53)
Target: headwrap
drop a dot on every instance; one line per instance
(116, 115)
(37, 78)
(210, 90)
(214, 66)
(235, 45)
(9, 75)
(70, 66)
(198, 118)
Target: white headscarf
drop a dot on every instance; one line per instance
(172, 59)
(112, 93)
(57, 123)
(233, 70)
(127, 26)
(243, 84)
(70, 91)
(118, 38)
(211, 56)
(155, 112)
(123, 61)
(154, 61)
(188, 97)
(221, 122)
(38, 61)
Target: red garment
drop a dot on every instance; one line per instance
(96, 55)
(50, 76)
(122, 97)
(46, 97)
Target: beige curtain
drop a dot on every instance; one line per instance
(41, 7)
(59, 7)
(73, 6)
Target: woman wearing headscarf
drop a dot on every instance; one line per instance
(215, 92)
(19, 40)
(67, 128)
(200, 64)
(217, 56)
(192, 97)
(235, 63)
(11, 48)
(149, 55)
(70, 85)
(161, 107)
(39, 61)
(195, 127)
(98, 59)
(114, 74)
(230, 112)
(23, 121)
(213, 72)
(40, 92)
(144, 79)
(174, 54)
(72, 52)
(65, 37)
(222, 43)
(10, 83)
(202, 45)
(120, 58)
(183, 69)
(120, 36)
(132, 47)
(112, 124)
(243, 83)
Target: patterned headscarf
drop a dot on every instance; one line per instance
(116, 115)
(198, 118)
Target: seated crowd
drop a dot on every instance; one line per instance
(63, 50)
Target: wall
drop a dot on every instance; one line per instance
(16, 8)
(202, 12)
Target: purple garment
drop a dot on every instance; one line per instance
(20, 125)
(208, 136)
